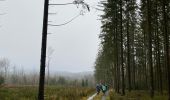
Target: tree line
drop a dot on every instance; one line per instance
(134, 48)
(11, 75)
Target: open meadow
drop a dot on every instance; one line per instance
(51, 93)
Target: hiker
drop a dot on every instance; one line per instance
(98, 88)
(104, 88)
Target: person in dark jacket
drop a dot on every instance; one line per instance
(98, 88)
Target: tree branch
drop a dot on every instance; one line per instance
(65, 22)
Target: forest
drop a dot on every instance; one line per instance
(134, 49)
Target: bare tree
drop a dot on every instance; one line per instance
(49, 57)
(4, 67)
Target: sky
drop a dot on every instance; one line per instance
(75, 45)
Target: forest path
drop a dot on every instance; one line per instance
(105, 96)
(91, 97)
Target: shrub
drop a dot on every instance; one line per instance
(2, 80)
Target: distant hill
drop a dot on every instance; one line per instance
(76, 75)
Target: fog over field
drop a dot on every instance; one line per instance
(75, 44)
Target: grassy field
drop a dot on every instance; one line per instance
(51, 93)
(69, 93)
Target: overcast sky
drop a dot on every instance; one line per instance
(75, 44)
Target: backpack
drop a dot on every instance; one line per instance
(104, 88)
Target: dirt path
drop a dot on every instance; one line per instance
(102, 97)
(105, 96)
(91, 97)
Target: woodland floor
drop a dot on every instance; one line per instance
(134, 95)
(137, 95)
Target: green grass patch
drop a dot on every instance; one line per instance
(51, 93)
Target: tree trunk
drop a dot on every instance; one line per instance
(150, 47)
(158, 51)
(43, 52)
(121, 41)
(128, 47)
(166, 42)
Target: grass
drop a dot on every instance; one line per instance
(137, 95)
(99, 96)
(51, 93)
(70, 93)
(134, 95)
